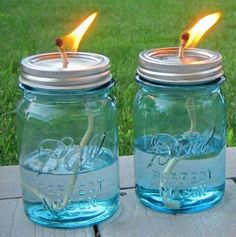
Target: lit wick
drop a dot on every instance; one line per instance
(59, 44)
(184, 40)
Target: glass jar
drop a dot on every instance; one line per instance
(67, 140)
(180, 130)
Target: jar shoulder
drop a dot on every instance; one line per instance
(145, 99)
(41, 107)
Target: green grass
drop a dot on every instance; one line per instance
(122, 29)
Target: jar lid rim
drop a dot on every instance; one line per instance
(163, 65)
(85, 70)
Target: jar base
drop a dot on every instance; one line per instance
(74, 216)
(153, 200)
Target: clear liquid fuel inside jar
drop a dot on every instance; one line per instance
(180, 127)
(67, 140)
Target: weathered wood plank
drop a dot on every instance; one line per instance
(132, 219)
(231, 162)
(136, 220)
(127, 170)
(10, 178)
(7, 211)
(10, 182)
(14, 223)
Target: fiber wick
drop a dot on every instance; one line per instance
(59, 44)
(184, 40)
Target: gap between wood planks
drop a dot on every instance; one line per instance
(122, 193)
(232, 178)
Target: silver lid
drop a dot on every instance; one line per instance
(85, 70)
(163, 66)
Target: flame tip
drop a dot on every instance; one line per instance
(201, 27)
(76, 36)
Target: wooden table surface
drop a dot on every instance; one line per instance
(132, 219)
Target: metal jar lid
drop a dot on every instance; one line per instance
(84, 71)
(163, 66)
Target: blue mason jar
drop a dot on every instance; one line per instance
(180, 130)
(67, 140)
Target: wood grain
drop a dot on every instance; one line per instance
(132, 219)
(127, 170)
(10, 182)
(136, 220)
(14, 223)
(7, 212)
(10, 178)
(231, 162)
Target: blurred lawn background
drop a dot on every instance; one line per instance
(122, 29)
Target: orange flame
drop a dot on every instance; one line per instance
(75, 37)
(201, 27)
